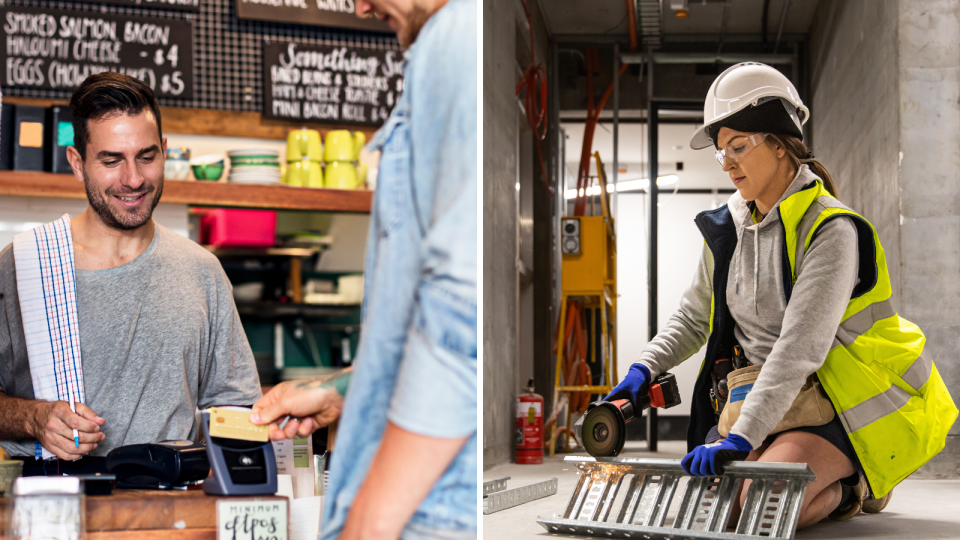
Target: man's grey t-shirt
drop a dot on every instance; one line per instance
(159, 337)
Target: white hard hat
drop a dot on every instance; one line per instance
(741, 86)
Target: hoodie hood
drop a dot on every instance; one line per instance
(766, 243)
(740, 207)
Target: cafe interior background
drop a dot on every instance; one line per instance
(281, 94)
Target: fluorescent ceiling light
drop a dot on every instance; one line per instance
(628, 185)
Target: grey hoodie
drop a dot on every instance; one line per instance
(792, 340)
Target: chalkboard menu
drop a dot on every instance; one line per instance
(186, 5)
(51, 48)
(339, 13)
(335, 84)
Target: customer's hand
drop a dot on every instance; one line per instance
(52, 423)
(311, 404)
(636, 383)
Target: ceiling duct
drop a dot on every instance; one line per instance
(649, 13)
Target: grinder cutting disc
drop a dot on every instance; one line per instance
(603, 431)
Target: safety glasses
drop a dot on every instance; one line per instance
(740, 146)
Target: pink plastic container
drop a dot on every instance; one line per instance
(238, 228)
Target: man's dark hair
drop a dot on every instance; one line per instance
(108, 94)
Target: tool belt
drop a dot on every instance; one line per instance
(810, 408)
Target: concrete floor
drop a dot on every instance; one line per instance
(919, 509)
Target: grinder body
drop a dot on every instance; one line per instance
(602, 430)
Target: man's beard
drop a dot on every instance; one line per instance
(124, 221)
(415, 21)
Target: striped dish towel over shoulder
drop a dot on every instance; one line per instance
(46, 283)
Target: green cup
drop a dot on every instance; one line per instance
(207, 172)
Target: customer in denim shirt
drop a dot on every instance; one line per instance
(405, 464)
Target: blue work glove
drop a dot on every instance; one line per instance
(709, 459)
(634, 384)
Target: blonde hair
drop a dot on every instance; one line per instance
(799, 154)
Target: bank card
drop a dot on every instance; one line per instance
(233, 424)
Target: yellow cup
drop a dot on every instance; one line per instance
(343, 145)
(304, 144)
(304, 174)
(340, 175)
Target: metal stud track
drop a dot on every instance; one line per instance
(771, 510)
(501, 500)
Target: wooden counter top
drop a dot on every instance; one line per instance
(129, 514)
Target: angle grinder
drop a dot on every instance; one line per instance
(603, 431)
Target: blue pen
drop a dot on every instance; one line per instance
(76, 435)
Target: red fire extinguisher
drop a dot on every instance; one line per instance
(530, 427)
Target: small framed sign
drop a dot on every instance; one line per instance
(247, 518)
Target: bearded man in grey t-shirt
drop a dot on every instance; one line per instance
(159, 332)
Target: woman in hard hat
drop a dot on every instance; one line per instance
(792, 280)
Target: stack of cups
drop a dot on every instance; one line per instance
(342, 155)
(304, 153)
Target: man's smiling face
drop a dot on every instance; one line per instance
(123, 169)
(405, 17)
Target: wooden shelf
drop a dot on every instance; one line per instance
(220, 194)
(271, 310)
(264, 252)
(218, 123)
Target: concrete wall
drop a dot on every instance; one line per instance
(930, 191)
(505, 49)
(855, 111)
(500, 128)
(886, 122)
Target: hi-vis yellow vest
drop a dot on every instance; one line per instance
(889, 396)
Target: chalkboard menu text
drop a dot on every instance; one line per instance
(186, 5)
(336, 13)
(335, 84)
(51, 48)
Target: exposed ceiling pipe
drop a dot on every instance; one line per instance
(632, 18)
(783, 17)
(763, 23)
(707, 58)
(723, 25)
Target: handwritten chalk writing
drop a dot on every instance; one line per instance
(393, 64)
(146, 34)
(83, 28)
(38, 47)
(312, 82)
(97, 51)
(379, 83)
(323, 93)
(280, 3)
(286, 108)
(30, 24)
(317, 77)
(336, 60)
(49, 48)
(363, 95)
(342, 6)
(353, 113)
(321, 111)
(22, 72)
(189, 5)
(284, 75)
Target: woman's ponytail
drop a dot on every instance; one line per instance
(799, 154)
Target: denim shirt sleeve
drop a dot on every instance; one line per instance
(436, 391)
